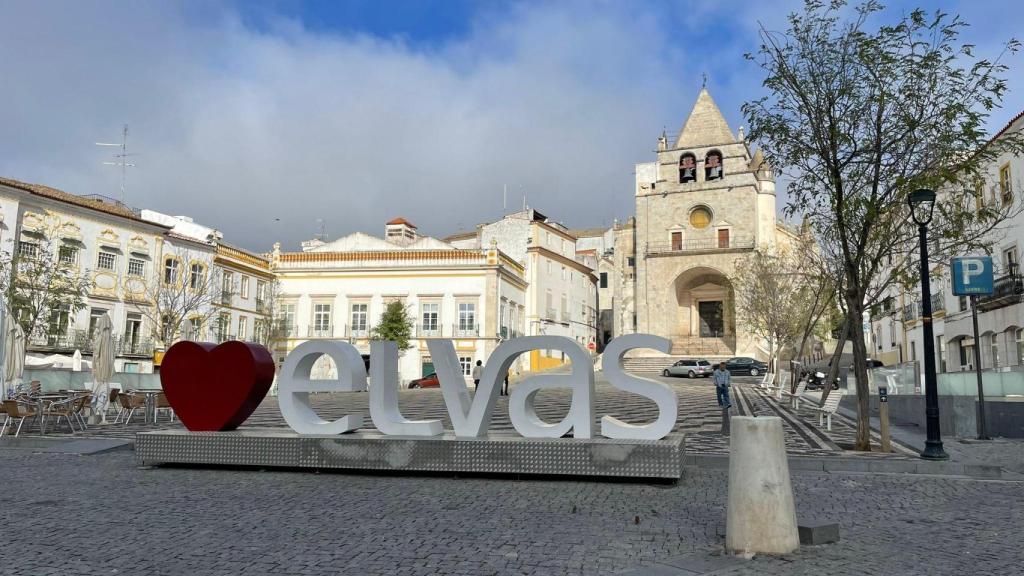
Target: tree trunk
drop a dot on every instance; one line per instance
(833, 367)
(855, 315)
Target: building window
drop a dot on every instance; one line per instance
(170, 271)
(243, 327)
(68, 255)
(962, 303)
(631, 261)
(565, 308)
(223, 325)
(321, 319)
(1012, 261)
(196, 276)
(359, 313)
(687, 168)
(549, 266)
(700, 217)
(941, 346)
(132, 333)
(94, 316)
(1004, 184)
(136, 267)
(261, 294)
(563, 273)
(467, 365)
(604, 279)
(287, 319)
(245, 287)
(467, 317)
(1020, 346)
(227, 287)
(106, 261)
(195, 329)
(994, 345)
(27, 249)
(430, 312)
(713, 165)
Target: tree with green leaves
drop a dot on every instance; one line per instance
(395, 325)
(44, 284)
(864, 107)
(781, 299)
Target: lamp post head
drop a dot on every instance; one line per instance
(922, 203)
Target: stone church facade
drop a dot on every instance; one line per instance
(702, 206)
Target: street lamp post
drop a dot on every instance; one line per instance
(922, 202)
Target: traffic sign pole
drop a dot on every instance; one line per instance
(982, 428)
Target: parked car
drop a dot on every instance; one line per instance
(428, 381)
(691, 368)
(744, 365)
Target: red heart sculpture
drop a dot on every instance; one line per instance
(215, 388)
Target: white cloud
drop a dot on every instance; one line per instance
(238, 127)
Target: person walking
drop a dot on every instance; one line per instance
(478, 372)
(722, 380)
(504, 389)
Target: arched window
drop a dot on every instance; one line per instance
(713, 165)
(687, 168)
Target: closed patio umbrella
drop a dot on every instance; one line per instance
(3, 348)
(102, 366)
(14, 353)
(76, 361)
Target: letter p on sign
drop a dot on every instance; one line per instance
(972, 275)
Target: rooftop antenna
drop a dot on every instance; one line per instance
(121, 159)
(322, 235)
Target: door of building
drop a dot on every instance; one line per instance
(712, 323)
(677, 241)
(723, 238)
(428, 368)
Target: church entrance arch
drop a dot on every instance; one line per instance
(705, 308)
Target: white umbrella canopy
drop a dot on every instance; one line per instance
(102, 365)
(14, 353)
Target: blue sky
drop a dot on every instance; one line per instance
(260, 118)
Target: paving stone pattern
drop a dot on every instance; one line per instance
(93, 515)
(699, 415)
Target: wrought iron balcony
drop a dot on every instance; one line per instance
(320, 332)
(428, 330)
(1007, 291)
(938, 303)
(462, 330)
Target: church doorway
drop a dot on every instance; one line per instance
(712, 318)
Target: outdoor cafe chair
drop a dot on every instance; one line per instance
(81, 402)
(161, 403)
(129, 404)
(17, 410)
(61, 409)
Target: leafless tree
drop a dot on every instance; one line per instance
(185, 289)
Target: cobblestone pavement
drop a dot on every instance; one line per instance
(92, 515)
(699, 415)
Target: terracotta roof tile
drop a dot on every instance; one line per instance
(109, 207)
(401, 220)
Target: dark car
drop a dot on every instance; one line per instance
(428, 381)
(744, 365)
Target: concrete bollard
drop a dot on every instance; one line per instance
(761, 516)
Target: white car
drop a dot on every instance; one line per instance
(691, 368)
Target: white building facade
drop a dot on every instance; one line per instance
(896, 332)
(339, 290)
(97, 237)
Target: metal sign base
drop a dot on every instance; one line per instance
(370, 450)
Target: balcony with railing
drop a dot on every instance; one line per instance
(428, 330)
(1007, 291)
(551, 315)
(689, 245)
(938, 303)
(356, 332)
(320, 332)
(464, 330)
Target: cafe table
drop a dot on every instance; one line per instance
(151, 394)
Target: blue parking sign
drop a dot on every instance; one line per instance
(972, 275)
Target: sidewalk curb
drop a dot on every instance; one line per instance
(861, 465)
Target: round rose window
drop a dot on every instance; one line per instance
(700, 217)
